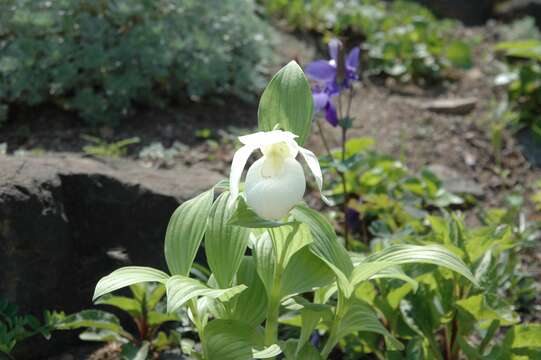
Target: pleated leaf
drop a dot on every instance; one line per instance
(325, 244)
(225, 244)
(360, 317)
(185, 232)
(290, 239)
(305, 272)
(231, 340)
(410, 254)
(250, 306)
(287, 102)
(266, 353)
(181, 289)
(127, 276)
(265, 260)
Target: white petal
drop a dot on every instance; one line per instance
(237, 166)
(272, 197)
(313, 165)
(263, 138)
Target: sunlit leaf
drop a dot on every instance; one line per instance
(127, 276)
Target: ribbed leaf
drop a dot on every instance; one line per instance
(181, 289)
(266, 353)
(410, 254)
(325, 244)
(96, 319)
(305, 272)
(225, 244)
(131, 306)
(265, 260)
(250, 306)
(231, 340)
(360, 317)
(127, 276)
(287, 101)
(185, 232)
(307, 352)
(290, 239)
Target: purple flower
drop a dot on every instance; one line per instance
(325, 71)
(323, 102)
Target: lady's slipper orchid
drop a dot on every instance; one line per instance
(275, 182)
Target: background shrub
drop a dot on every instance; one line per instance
(99, 58)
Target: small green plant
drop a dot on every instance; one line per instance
(402, 39)
(101, 59)
(523, 81)
(15, 328)
(101, 147)
(146, 309)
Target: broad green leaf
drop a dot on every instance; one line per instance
(246, 217)
(251, 305)
(95, 319)
(524, 336)
(131, 306)
(528, 49)
(231, 340)
(412, 254)
(360, 317)
(127, 276)
(289, 239)
(156, 318)
(181, 289)
(265, 260)
(155, 296)
(287, 102)
(307, 352)
(133, 352)
(101, 335)
(305, 272)
(483, 314)
(325, 244)
(395, 273)
(266, 353)
(225, 244)
(185, 232)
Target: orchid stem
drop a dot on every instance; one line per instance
(323, 139)
(340, 311)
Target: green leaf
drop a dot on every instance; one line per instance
(127, 276)
(185, 232)
(287, 101)
(231, 340)
(95, 319)
(289, 239)
(131, 306)
(245, 217)
(225, 244)
(305, 272)
(360, 317)
(155, 296)
(523, 336)
(155, 318)
(250, 306)
(265, 260)
(132, 352)
(325, 244)
(411, 254)
(459, 53)
(307, 352)
(181, 289)
(101, 335)
(267, 352)
(477, 307)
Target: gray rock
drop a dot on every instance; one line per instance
(65, 219)
(451, 106)
(455, 182)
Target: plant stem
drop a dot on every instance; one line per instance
(273, 309)
(323, 139)
(344, 185)
(340, 311)
(198, 326)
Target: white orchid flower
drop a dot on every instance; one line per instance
(275, 182)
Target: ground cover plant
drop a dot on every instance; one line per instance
(402, 39)
(104, 58)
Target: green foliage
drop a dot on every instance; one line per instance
(101, 147)
(100, 59)
(147, 311)
(402, 39)
(384, 196)
(523, 81)
(15, 328)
